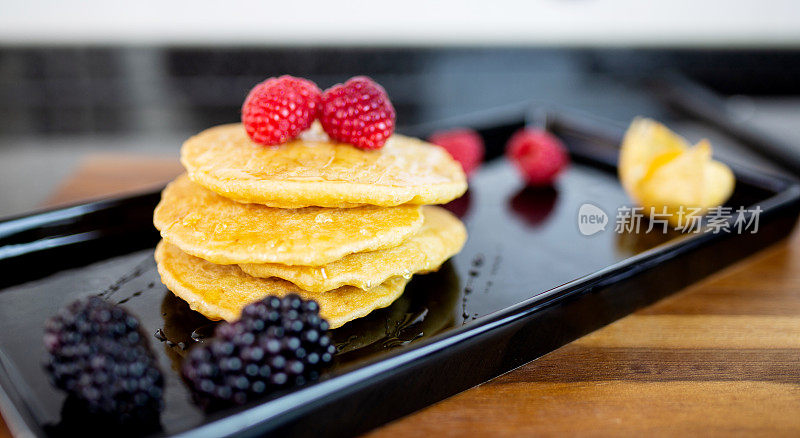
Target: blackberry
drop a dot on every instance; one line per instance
(277, 343)
(99, 355)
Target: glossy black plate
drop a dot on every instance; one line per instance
(526, 283)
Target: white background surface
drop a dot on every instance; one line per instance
(719, 23)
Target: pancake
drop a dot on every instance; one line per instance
(222, 231)
(222, 291)
(442, 235)
(315, 171)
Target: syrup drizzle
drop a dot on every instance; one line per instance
(404, 331)
(474, 272)
(138, 270)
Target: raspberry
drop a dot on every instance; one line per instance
(279, 109)
(538, 155)
(464, 145)
(358, 112)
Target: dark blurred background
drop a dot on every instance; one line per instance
(125, 90)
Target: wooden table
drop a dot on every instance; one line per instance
(720, 358)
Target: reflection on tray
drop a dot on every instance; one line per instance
(428, 305)
(182, 328)
(534, 204)
(632, 243)
(77, 421)
(460, 206)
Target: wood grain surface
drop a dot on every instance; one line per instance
(720, 358)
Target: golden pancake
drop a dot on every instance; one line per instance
(315, 171)
(222, 231)
(222, 291)
(442, 235)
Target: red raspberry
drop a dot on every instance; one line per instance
(358, 112)
(463, 144)
(279, 109)
(538, 155)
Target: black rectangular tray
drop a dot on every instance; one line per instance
(526, 283)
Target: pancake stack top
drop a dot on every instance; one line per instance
(340, 225)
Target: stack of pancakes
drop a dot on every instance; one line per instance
(340, 225)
